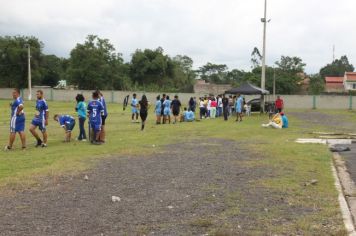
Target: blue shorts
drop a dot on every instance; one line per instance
(40, 123)
(134, 110)
(167, 112)
(95, 126)
(158, 113)
(17, 124)
(70, 126)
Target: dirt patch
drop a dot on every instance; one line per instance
(191, 188)
(333, 122)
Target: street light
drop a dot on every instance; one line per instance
(263, 76)
(28, 46)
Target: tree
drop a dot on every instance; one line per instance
(215, 73)
(13, 61)
(337, 68)
(95, 64)
(51, 70)
(256, 58)
(316, 85)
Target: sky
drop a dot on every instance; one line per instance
(216, 31)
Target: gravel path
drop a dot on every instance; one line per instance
(183, 189)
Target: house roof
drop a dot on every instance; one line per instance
(350, 76)
(334, 80)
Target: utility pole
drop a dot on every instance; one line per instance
(29, 71)
(263, 76)
(274, 83)
(333, 52)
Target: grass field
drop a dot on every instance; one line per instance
(293, 164)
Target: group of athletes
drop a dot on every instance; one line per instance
(95, 111)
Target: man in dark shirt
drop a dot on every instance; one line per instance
(175, 106)
(225, 102)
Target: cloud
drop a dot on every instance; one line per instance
(215, 31)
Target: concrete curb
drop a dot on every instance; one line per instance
(345, 187)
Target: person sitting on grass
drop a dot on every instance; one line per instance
(276, 122)
(189, 116)
(284, 120)
(67, 122)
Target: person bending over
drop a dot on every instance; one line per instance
(67, 122)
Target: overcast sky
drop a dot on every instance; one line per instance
(217, 31)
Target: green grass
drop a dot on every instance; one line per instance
(293, 164)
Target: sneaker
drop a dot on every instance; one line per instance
(39, 143)
(7, 148)
(96, 143)
(83, 140)
(43, 145)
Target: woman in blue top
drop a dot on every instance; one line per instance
(81, 109)
(158, 109)
(167, 110)
(238, 107)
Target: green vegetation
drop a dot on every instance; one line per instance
(292, 164)
(96, 64)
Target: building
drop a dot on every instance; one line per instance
(202, 87)
(349, 81)
(334, 85)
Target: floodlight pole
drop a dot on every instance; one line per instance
(263, 76)
(29, 71)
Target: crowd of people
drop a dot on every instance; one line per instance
(166, 110)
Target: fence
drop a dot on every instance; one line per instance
(290, 101)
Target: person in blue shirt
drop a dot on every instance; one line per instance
(67, 122)
(81, 110)
(189, 116)
(167, 110)
(95, 110)
(40, 120)
(284, 120)
(17, 123)
(238, 107)
(134, 108)
(103, 117)
(158, 109)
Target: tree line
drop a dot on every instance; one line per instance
(95, 64)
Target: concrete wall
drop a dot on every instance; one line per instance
(291, 101)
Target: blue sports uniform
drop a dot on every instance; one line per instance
(105, 112)
(17, 123)
(134, 103)
(189, 116)
(238, 105)
(167, 107)
(158, 108)
(67, 121)
(285, 122)
(95, 110)
(40, 116)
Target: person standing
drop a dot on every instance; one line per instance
(279, 104)
(220, 106)
(144, 106)
(175, 106)
(134, 110)
(103, 117)
(238, 107)
(162, 111)
(81, 109)
(167, 110)
(202, 108)
(213, 106)
(40, 120)
(191, 104)
(226, 107)
(17, 123)
(158, 109)
(95, 111)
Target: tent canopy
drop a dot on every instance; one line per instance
(247, 89)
